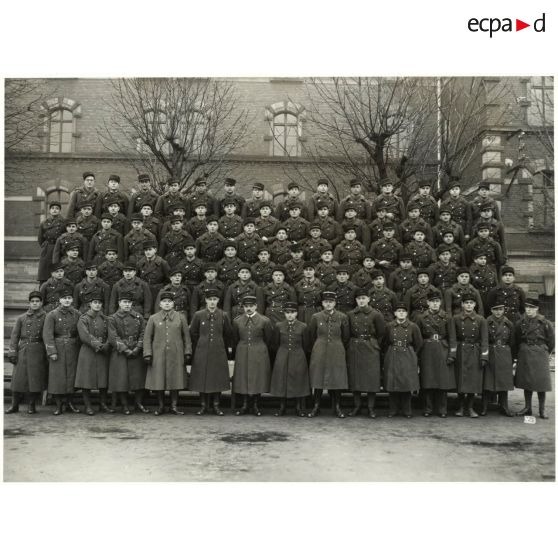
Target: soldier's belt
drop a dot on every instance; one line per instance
(24, 342)
(472, 343)
(66, 338)
(402, 344)
(541, 343)
(499, 344)
(362, 337)
(435, 337)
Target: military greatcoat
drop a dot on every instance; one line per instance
(498, 375)
(49, 231)
(275, 296)
(329, 333)
(26, 345)
(309, 296)
(92, 366)
(252, 367)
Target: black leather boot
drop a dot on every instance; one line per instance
(103, 402)
(503, 404)
(138, 401)
(14, 407)
(542, 401)
(71, 406)
(357, 402)
(203, 405)
(58, 410)
(124, 401)
(282, 408)
(87, 401)
(244, 409)
(255, 406)
(31, 409)
(216, 404)
(301, 406)
(470, 411)
(527, 410)
(371, 404)
(160, 410)
(485, 401)
(174, 403)
(460, 403)
(317, 400)
(336, 399)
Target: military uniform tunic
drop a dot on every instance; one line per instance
(120, 224)
(211, 204)
(428, 208)
(181, 298)
(251, 209)
(416, 299)
(199, 291)
(317, 199)
(349, 253)
(153, 225)
(407, 229)
(230, 226)
(327, 273)
(133, 244)
(367, 328)
(125, 331)
(297, 228)
(295, 271)
(456, 229)
(227, 269)
(26, 344)
(535, 339)
(234, 294)
(102, 240)
(484, 278)
(92, 365)
(192, 272)
(172, 247)
(376, 228)
(137, 290)
(64, 240)
(49, 231)
(383, 300)
(110, 272)
(79, 196)
(275, 297)
(454, 296)
(512, 297)
(392, 204)
(139, 198)
(283, 208)
(248, 247)
(362, 278)
(85, 287)
(266, 227)
(209, 246)
(235, 198)
(361, 205)
(460, 210)
(196, 227)
(401, 280)
(60, 335)
(443, 276)
(262, 272)
(362, 231)
(329, 334)
(476, 203)
(457, 256)
(309, 297)
(422, 254)
(87, 226)
(51, 290)
(107, 198)
(331, 229)
(74, 270)
(313, 248)
(280, 251)
(165, 201)
(498, 375)
(388, 250)
(345, 293)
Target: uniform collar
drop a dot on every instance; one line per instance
(365, 310)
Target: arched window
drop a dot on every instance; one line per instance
(60, 125)
(285, 121)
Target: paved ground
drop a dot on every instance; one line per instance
(190, 448)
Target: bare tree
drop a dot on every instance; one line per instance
(175, 126)
(23, 110)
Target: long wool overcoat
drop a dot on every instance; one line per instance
(26, 343)
(329, 334)
(211, 334)
(498, 375)
(289, 377)
(92, 366)
(252, 366)
(125, 331)
(167, 341)
(61, 338)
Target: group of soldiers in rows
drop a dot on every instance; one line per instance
(357, 292)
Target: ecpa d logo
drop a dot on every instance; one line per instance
(493, 25)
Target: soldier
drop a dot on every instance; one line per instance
(87, 223)
(498, 375)
(289, 378)
(443, 273)
(133, 287)
(395, 208)
(133, 241)
(404, 277)
(386, 251)
(191, 266)
(457, 256)
(459, 207)
(349, 252)
(314, 245)
(362, 278)
(357, 200)
(175, 211)
(437, 376)
(249, 242)
(481, 198)
(197, 225)
(403, 341)
(266, 225)
(62, 347)
(92, 364)
(230, 224)
(200, 195)
(483, 243)
(469, 351)
(252, 335)
(326, 270)
(71, 236)
(230, 196)
(51, 289)
(228, 266)
(376, 227)
(454, 296)
(251, 209)
(414, 221)
(495, 227)
(87, 193)
(27, 354)
(282, 212)
(296, 226)
(276, 294)
(112, 195)
(382, 298)
(152, 269)
(447, 223)
(167, 348)
(127, 370)
(362, 232)
(329, 335)
(179, 291)
(367, 329)
(280, 248)
(91, 283)
(508, 294)
(143, 195)
(295, 266)
(534, 337)
(332, 231)
(171, 248)
(344, 290)
(209, 246)
(150, 222)
(110, 271)
(309, 293)
(236, 292)
(212, 338)
(74, 266)
(171, 197)
(262, 270)
(483, 277)
(119, 221)
(49, 231)
(426, 203)
(422, 254)
(104, 238)
(210, 283)
(416, 298)
(322, 195)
